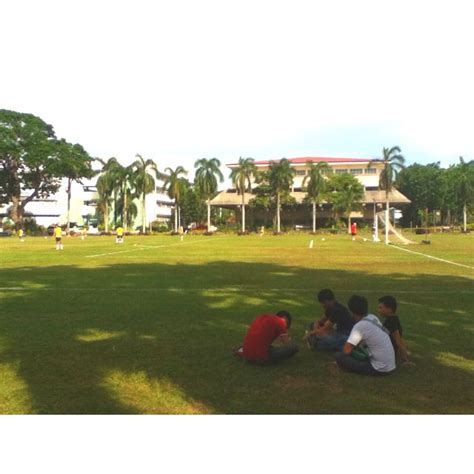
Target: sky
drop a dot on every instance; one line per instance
(180, 80)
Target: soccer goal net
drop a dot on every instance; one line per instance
(392, 232)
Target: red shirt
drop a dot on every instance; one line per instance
(354, 228)
(262, 332)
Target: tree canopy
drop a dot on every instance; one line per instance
(33, 161)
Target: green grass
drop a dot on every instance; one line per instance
(148, 327)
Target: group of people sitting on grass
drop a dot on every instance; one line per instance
(362, 343)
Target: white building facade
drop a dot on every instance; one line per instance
(53, 209)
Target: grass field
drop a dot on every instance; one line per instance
(147, 326)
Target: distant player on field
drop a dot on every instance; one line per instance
(58, 235)
(354, 230)
(119, 238)
(21, 235)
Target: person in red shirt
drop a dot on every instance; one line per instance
(354, 230)
(264, 330)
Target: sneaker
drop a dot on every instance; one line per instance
(238, 351)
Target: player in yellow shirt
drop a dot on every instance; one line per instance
(21, 235)
(119, 238)
(58, 234)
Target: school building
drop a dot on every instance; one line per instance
(373, 201)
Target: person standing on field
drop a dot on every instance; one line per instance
(119, 238)
(58, 235)
(354, 230)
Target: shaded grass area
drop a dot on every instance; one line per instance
(149, 330)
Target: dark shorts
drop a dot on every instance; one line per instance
(58, 239)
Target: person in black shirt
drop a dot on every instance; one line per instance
(333, 329)
(387, 309)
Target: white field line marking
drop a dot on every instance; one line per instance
(229, 289)
(434, 258)
(143, 247)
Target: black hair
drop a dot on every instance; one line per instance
(287, 316)
(326, 295)
(358, 305)
(389, 302)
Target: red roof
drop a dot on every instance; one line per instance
(315, 159)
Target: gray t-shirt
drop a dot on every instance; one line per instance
(369, 331)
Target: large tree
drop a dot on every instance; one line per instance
(316, 184)
(346, 194)
(393, 162)
(144, 181)
(241, 177)
(464, 187)
(33, 161)
(280, 179)
(175, 187)
(424, 186)
(208, 174)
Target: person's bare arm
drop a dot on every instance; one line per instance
(401, 346)
(348, 348)
(325, 329)
(284, 338)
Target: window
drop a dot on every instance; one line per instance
(339, 171)
(90, 189)
(356, 171)
(370, 171)
(300, 172)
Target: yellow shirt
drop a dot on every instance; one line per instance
(120, 231)
(20, 233)
(58, 232)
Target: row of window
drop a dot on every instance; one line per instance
(343, 171)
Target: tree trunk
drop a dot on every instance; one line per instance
(314, 217)
(278, 213)
(175, 216)
(243, 212)
(209, 215)
(69, 182)
(179, 217)
(106, 217)
(144, 214)
(349, 223)
(387, 221)
(125, 211)
(17, 211)
(464, 215)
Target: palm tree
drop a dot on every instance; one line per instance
(123, 179)
(280, 178)
(106, 188)
(393, 162)
(144, 181)
(207, 174)
(464, 186)
(241, 177)
(346, 194)
(175, 188)
(316, 184)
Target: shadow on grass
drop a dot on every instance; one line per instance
(156, 338)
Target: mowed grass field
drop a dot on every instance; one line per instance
(147, 326)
